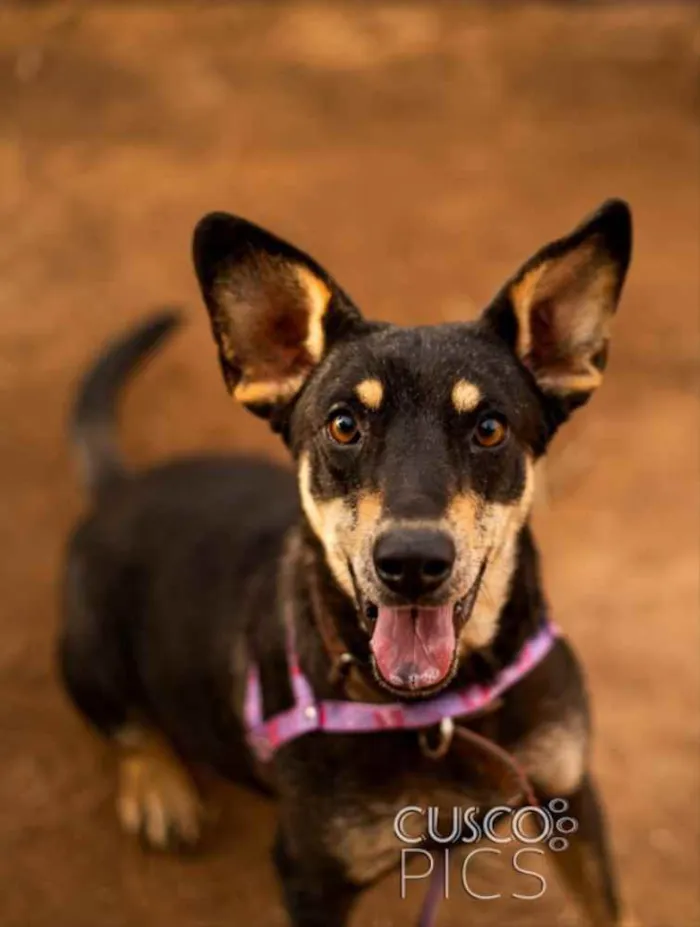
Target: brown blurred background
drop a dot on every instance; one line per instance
(420, 151)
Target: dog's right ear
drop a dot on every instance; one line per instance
(274, 311)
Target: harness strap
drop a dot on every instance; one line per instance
(307, 714)
(333, 716)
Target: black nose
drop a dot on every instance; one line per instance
(413, 562)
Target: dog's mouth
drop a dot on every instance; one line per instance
(414, 647)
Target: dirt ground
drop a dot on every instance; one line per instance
(420, 151)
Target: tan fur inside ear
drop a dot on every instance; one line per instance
(564, 306)
(268, 392)
(318, 296)
(269, 323)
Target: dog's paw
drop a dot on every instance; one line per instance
(158, 801)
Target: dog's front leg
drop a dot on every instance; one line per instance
(316, 892)
(586, 865)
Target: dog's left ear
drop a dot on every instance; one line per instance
(274, 311)
(555, 313)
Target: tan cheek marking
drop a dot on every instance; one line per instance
(369, 510)
(495, 585)
(330, 521)
(370, 393)
(462, 513)
(466, 396)
(495, 529)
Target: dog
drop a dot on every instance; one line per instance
(398, 553)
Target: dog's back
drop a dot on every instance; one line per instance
(167, 570)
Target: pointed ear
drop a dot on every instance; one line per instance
(555, 313)
(274, 312)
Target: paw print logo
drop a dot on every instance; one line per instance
(562, 825)
(554, 826)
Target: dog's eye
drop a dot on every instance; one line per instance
(343, 428)
(491, 431)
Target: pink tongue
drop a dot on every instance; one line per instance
(414, 647)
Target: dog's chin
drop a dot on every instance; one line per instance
(414, 648)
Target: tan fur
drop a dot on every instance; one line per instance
(334, 525)
(263, 392)
(462, 513)
(582, 292)
(482, 625)
(554, 756)
(318, 296)
(478, 528)
(522, 295)
(370, 393)
(365, 842)
(584, 382)
(156, 796)
(369, 510)
(466, 396)
(488, 529)
(314, 297)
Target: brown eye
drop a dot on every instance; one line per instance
(343, 428)
(491, 431)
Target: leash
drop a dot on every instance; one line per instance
(431, 902)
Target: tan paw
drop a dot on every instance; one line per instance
(157, 799)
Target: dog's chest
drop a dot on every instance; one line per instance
(367, 836)
(377, 816)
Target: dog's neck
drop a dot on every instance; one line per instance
(327, 622)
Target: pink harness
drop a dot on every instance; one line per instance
(307, 714)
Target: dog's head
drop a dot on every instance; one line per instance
(415, 447)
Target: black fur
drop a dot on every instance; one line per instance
(180, 576)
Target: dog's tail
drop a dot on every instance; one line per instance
(93, 425)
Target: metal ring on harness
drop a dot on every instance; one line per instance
(340, 667)
(446, 731)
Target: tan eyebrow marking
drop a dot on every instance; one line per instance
(370, 393)
(466, 396)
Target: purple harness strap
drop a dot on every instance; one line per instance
(347, 717)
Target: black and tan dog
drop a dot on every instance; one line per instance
(403, 542)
